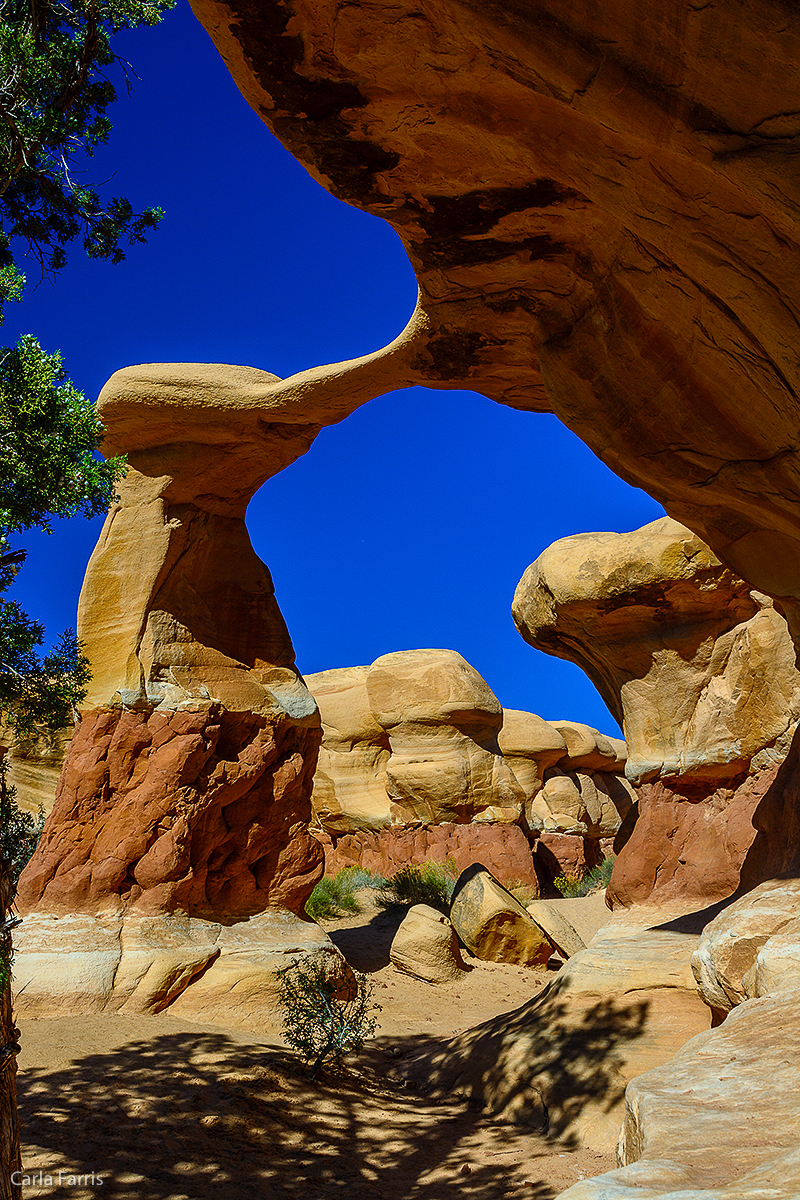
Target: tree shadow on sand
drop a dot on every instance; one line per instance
(180, 1116)
(541, 1065)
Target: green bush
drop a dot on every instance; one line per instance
(581, 885)
(322, 1016)
(333, 896)
(431, 883)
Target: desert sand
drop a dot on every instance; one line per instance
(162, 1109)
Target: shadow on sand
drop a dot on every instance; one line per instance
(195, 1115)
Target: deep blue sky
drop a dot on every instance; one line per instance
(407, 526)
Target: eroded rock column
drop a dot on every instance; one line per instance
(178, 843)
(700, 671)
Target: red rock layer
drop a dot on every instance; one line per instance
(203, 811)
(502, 848)
(705, 843)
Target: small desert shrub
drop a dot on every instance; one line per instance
(431, 883)
(361, 877)
(582, 885)
(333, 896)
(324, 1018)
(524, 892)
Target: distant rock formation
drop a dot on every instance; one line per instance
(701, 672)
(34, 765)
(418, 739)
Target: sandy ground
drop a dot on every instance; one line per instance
(163, 1109)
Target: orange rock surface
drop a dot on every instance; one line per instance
(600, 203)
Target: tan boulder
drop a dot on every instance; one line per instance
(350, 781)
(698, 670)
(442, 720)
(557, 928)
(493, 925)
(529, 745)
(577, 803)
(753, 947)
(426, 945)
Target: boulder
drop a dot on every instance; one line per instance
(442, 721)
(493, 925)
(556, 927)
(426, 945)
(752, 948)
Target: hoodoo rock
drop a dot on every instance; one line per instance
(416, 750)
(185, 795)
(701, 671)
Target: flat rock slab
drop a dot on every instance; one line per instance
(200, 970)
(719, 1121)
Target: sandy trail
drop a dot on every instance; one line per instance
(163, 1109)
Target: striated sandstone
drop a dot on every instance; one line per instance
(556, 926)
(493, 925)
(442, 721)
(350, 785)
(34, 765)
(145, 963)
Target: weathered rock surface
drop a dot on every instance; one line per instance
(553, 922)
(615, 197)
(417, 739)
(34, 765)
(504, 848)
(426, 945)
(350, 785)
(442, 721)
(621, 1006)
(493, 925)
(201, 810)
(699, 671)
(201, 969)
(719, 1120)
(753, 947)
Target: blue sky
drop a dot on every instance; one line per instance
(410, 524)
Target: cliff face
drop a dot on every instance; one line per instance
(600, 203)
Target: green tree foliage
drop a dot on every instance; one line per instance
(54, 95)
